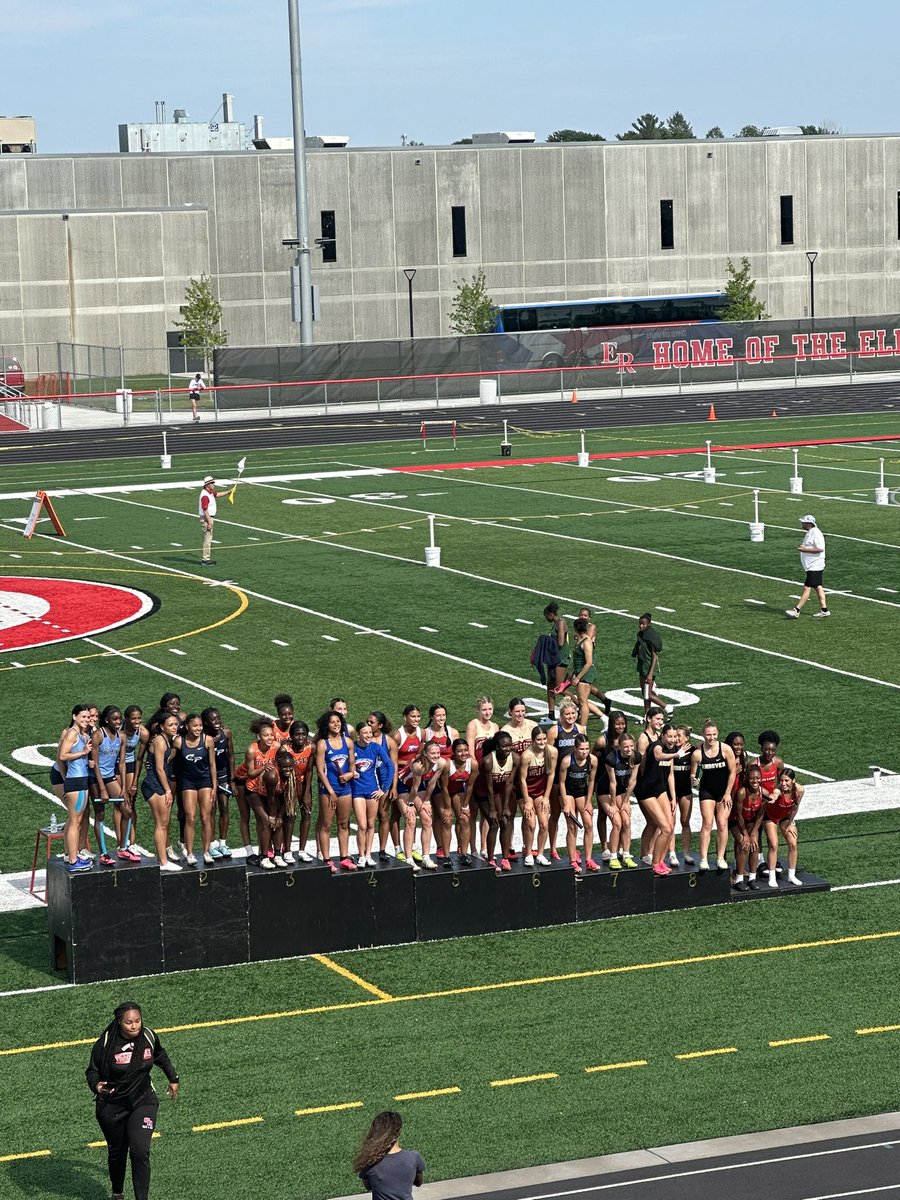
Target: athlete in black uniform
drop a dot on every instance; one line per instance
(713, 765)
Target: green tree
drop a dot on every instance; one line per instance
(715, 132)
(740, 291)
(201, 320)
(473, 311)
(749, 131)
(826, 128)
(463, 142)
(647, 128)
(678, 127)
(574, 135)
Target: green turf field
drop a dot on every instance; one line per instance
(327, 593)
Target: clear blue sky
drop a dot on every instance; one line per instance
(438, 70)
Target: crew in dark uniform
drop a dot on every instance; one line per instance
(127, 1104)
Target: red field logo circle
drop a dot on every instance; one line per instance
(40, 612)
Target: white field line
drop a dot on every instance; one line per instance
(855, 887)
(589, 541)
(484, 579)
(736, 456)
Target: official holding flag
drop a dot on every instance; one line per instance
(207, 511)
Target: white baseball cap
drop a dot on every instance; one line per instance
(808, 520)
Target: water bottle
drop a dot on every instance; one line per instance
(54, 824)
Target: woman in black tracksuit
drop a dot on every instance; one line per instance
(119, 1076)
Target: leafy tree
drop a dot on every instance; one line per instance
(473, 311)
(678, 127)
(715, 132)
(574, 135)
(740, 291)
(408, 141)
(827, 128)
(201, 320)
(749, 131)
(646, 128)
(463, 142)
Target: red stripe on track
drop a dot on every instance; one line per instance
(564, 458)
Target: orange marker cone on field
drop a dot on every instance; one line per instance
(712, 413)
(774, 413)
(574, 396)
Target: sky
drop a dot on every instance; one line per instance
(439, 70)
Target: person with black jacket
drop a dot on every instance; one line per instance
(119, 1076)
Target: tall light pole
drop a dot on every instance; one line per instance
(811, 256)
(301, 200)
(410, 273)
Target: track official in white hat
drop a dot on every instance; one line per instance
(812, 559)
(206, 509)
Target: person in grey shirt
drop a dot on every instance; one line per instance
(387, 1171)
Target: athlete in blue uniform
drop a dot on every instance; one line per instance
(195, 766)
(108, 745)
(72, 755)
(157, 786)
(374, 776)
(335, 765)
(224, 751)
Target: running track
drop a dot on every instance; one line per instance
(346, 429)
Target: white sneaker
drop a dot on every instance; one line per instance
(542, 860)
(370, 861)
(529, 860)
(266, 863)
(670, 710)
(792, 612)
(170, 866)
(673, 859)
(278, 860)
(689, 859)
(191, 860)
(361, 860)
(704, 865)
(722, 864)
(288, 858)
(428, 863)
(773, 882)
(823, 612)
(86, 855)
(792, 878)
(606, 856)
(648, 859)
(304, 856)
(171, 855)
(208, 858)
(181, 849)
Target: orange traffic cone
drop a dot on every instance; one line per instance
(712, 413)
(574, 396)
(774, 413)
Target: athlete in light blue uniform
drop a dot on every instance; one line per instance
(73, 753)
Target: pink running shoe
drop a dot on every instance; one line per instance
(129, 855)
(591, 865)
(504, 864)
(661, 869)
(331, 867)
(554, 854)
(347, 864)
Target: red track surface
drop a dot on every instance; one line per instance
(563, 458)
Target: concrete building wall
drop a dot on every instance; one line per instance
(544, 222)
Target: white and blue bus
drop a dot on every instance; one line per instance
(608, 312)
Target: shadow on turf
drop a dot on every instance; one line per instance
(24, 941)
(60, 1176)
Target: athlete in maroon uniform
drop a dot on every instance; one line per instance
(780, 813)
(458, 782)
(745, 822)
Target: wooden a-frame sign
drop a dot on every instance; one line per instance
(42, 501)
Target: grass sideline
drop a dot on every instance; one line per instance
(347, 563)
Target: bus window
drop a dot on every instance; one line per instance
(525, 320)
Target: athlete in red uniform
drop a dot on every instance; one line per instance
(457, 782)
(745, 822)
(409, 739)
(537, 776)
(780, 813)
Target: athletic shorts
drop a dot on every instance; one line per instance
(55, 778)
(813, 579)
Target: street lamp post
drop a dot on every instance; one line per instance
(302, 265)
(811, 256)
(410, 273)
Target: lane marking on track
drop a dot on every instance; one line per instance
(327, 1108)
(638, 1062)
(226, 1124)
(707, 1053)
(364, 984)
(594, 973)
(799, 1041)
(879, 1029)
(28, 1154)
(447, 1091)
(524, 1079)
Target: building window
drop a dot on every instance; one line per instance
(458, 224)
(787, 220)
(329, 245)
(666, 225)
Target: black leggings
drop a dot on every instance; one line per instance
(129, 1129)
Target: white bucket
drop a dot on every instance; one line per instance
(487, 391)
(584, 459)
(709, 474)
(757, 531)
(796, 485)
(882, 496)
(165, 461)
(432, 556)
(123, 400)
